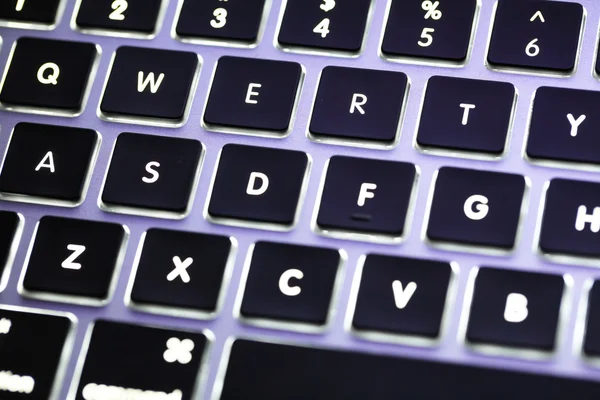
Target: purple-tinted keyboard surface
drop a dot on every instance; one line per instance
(565, 361)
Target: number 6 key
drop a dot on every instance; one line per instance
(536, 36)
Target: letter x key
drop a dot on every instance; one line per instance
(180, 269)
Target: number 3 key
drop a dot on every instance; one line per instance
(233, 23)
(536, 36)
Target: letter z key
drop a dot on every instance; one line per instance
(73, 260)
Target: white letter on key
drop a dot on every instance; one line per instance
(365, 194)
(575, 123)
(251, 93)
(284, 282)
(583, 218)
(467, 109)
(153, 172)
(50, 79)
(358, 100)
(47, 162)
(251, 190)
(516, 310)
(481, 209)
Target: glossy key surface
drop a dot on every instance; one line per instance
(154, 360)
(254, 369)
(29, 367)
(565, 361)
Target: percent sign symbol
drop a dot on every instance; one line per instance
(432, 9)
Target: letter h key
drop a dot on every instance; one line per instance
(584, 218)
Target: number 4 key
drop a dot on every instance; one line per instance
(324, 25)
(536, 36)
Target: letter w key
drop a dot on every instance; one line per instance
(151, 80)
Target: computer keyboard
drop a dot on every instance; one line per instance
(299, 199)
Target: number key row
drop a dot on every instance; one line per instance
(534, 36)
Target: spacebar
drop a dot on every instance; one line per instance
(265, 371)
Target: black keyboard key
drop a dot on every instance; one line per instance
(597, 63)
(366, 196)
(290, 284)
(255, 369)
(515, 309)
(232, 23)
(466, 115)
(563, 125)
(249, 94)
(152, 175)
(122, 359)
(150, 83)
(48, 164)
(10, 233)
(74, 260)
(571, 219)
(324, 25)
(258, 184)
(359, 105)
(51, 75)
(402, 296)
(121, 16)
(38, 12)
(591, 342)
(536, 35)
(35, 346)
(476, 208)
(183, 271)
(430, 30)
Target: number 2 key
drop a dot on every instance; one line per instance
(536, 36)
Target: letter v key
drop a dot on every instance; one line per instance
(403, 295)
